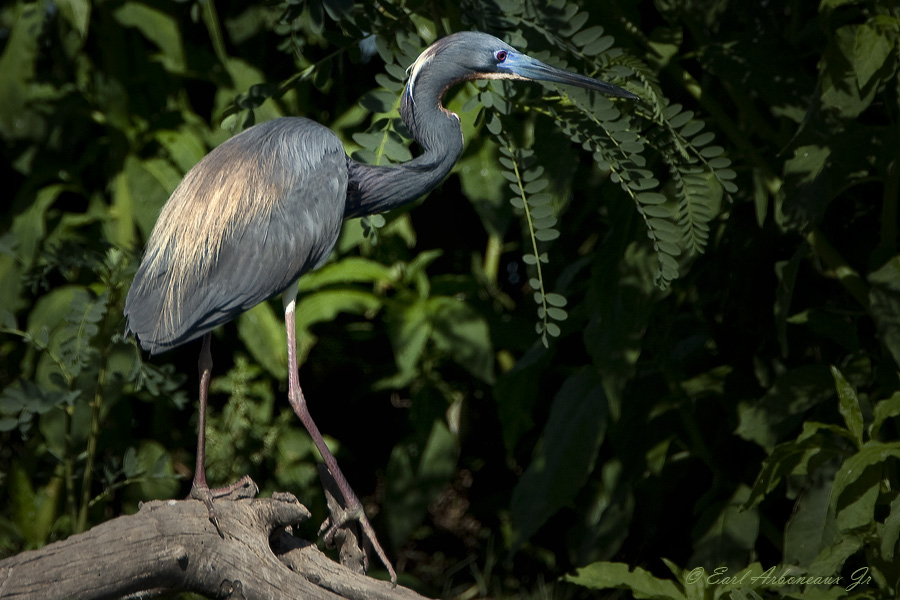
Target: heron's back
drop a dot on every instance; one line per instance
(251, 217)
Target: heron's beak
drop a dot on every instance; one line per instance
(521, 65)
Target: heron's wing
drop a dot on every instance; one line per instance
(250, 218)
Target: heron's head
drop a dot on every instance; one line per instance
(473, 55)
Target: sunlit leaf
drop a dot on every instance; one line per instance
(638, 582)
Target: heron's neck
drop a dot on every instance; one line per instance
(373, 189)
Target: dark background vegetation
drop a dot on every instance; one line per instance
(504, 430)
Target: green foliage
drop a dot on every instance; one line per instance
(575, 429)
(641, 346)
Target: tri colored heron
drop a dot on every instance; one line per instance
(266, 206)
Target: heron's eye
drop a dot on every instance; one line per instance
(500, 55)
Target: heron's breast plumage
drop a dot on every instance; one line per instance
(250, 218)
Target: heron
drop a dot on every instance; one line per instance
(267, 205)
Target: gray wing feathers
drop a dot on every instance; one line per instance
(256, 213)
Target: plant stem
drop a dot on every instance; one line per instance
(68, 468)
(87, 478)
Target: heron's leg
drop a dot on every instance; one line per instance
(353, 510)
(200, 489)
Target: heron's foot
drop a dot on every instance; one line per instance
(346, 537)
(337, 523)
(346, 511)
(340, 519)
(242, 488)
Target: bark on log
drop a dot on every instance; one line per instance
(171, 546)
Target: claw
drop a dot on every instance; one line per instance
(330, 526)
(242, 488)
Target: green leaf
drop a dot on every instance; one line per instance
(870, 50)
(712, 151)
(463, 333)
(791, 458)
(731, 533)
(34, 510)
(410, 329)
(599, 46)
(703, 139)
(638, 582)
(855, 494)
(51, 311)
(680, 119)
(379, 101)
(129, 462)
(389, 83)
(692, 129)
(78, 15)
(855, 54)
(557, 314)
(657, 210)
(516, 393)
(848, 406)
(884, 296)
(835, 555)
(152, 181)
(623, 307)
(264, 336)
(325, 305)
(651, 198)
(829, 5)
(856, 483)
(351, 269)
(483, 186)
(574, 431)
(811, 527)
(415, 478)
(781, 409)
(30, 226)
(295, 465)
(17, 69)
(154, 472)
(159, 28)
(184, 146)
(587, 36)
(395, 151)
(555, 299)
(546, 235)
(665, 43)
(890, 532)
(884, 410)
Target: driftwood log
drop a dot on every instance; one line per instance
(171, 546)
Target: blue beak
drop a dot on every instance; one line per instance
(524, 66)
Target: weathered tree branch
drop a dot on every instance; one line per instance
(171, 546)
